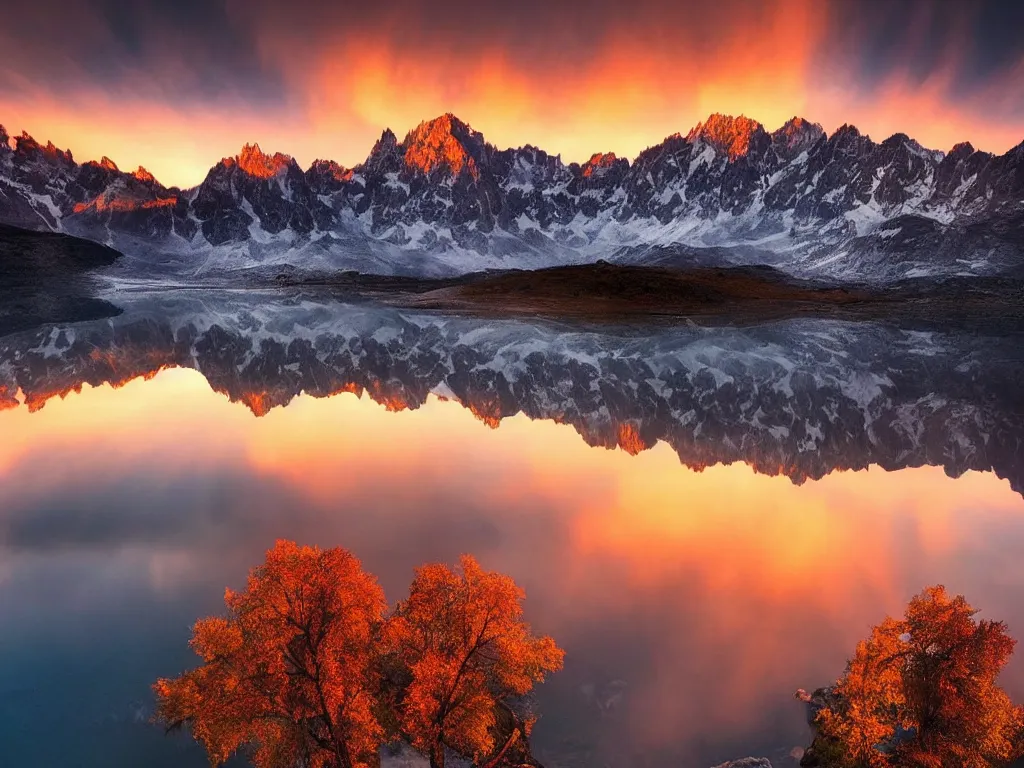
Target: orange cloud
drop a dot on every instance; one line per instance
(627, 88)
(623, 96)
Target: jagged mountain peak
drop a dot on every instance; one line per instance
(26, 145)
(141, 174)
(527, 151)
(732, 135)
(387, 140)
(255, 162)
(330, 168)
(386, 155)
(600, 163)
(962, 149)
(442, 124)
(902, 140)
(5, 139)
(445, 143)
(260, 403)
(798, 133)
(845, 131)
(104, 164)
(847, 140)
(385, 146)
(797, 123)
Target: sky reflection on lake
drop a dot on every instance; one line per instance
(690, 604)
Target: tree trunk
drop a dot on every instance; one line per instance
(493, 762)
(437, 755)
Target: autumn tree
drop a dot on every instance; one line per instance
(290, 673)
(921, 691)
(462, 640)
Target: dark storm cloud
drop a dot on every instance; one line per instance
(977, 40)
(526, 28)
(203, 49)
(187, 49)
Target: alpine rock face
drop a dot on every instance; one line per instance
(799, 398)
(443, 201)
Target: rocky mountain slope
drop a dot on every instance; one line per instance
(443, 201)
(800, 398)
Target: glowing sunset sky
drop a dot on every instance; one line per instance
(176, 86)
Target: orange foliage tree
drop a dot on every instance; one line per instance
(462, 638)
(922, 691)
(291, 672)
(307, 669)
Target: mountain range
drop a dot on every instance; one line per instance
(800, 398)
(443, 201)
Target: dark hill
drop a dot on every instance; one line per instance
(44, 279)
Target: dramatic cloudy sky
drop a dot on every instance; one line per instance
(175, 86)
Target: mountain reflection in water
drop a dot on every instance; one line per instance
(800, 398)
(690, 603)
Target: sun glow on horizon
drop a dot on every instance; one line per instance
(621, 95)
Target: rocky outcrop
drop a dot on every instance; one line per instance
(735, 137)
(256, 190)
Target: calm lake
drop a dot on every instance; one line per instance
(705, 519)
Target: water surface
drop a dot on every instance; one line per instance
(148, 461)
